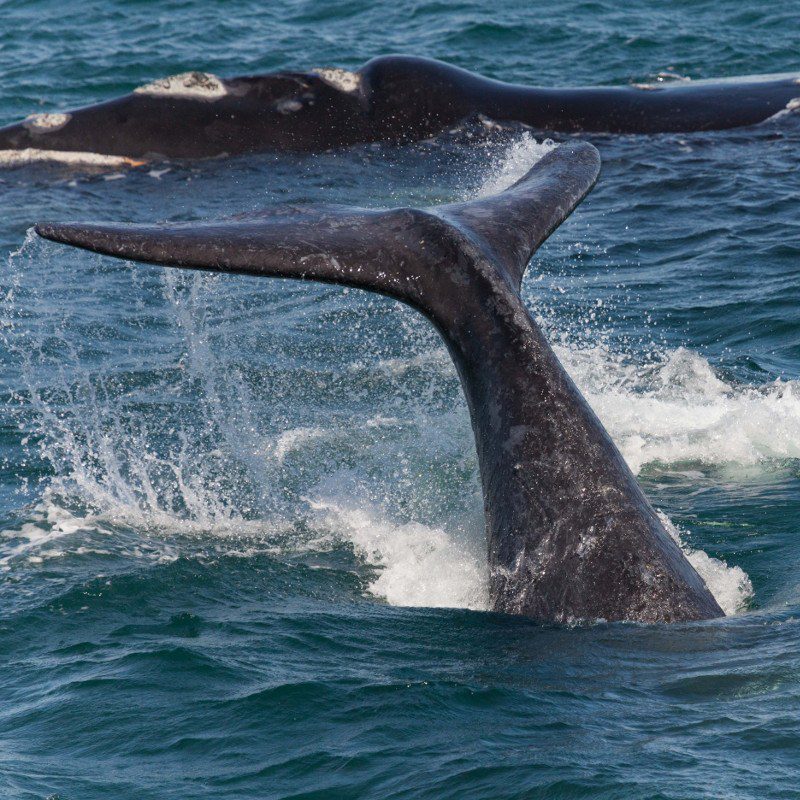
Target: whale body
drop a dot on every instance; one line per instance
(391, 98)
(571, 535)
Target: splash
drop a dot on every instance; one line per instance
(511, 163)
(167, 418)
(147, 469)
(676, 409)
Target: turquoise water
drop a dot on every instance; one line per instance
(242, 551)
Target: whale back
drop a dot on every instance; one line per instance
(390, 98)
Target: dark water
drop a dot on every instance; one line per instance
(242, 550)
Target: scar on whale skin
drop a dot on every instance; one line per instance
(198, 85)
(46, 123)
(32, 155)
(571, 535)
(340, 79)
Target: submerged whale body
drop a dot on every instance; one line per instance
(391, 98)
(571, 535)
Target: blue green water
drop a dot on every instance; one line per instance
(242, 545)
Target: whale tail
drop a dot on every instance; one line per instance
(570, 533)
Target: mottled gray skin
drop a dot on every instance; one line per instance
(393, 98)
(571, 535)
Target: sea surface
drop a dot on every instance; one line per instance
(241, 530)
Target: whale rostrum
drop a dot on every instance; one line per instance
(571, 535)
(390, 98)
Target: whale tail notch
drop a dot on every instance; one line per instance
(397, 252)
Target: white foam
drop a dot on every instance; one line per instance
(790, 108)
(31, 155)
(418, 565)
(669, 76)
(731, 586)
(199, 85)
(33, 540)
(677, 409)
(54, 532)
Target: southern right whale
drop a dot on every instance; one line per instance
(571, 536)
(390, 98)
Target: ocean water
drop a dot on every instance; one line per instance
(241, 533)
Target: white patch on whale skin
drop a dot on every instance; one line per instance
(32, 155)
(341, 79)
(792, 106)
(45, 123)
(200, 85)
(288, 105)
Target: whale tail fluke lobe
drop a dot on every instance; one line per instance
(332, 244)
(570, 533)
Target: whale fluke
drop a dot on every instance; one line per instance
(355, 246)
(390, 98)
(571, 535)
